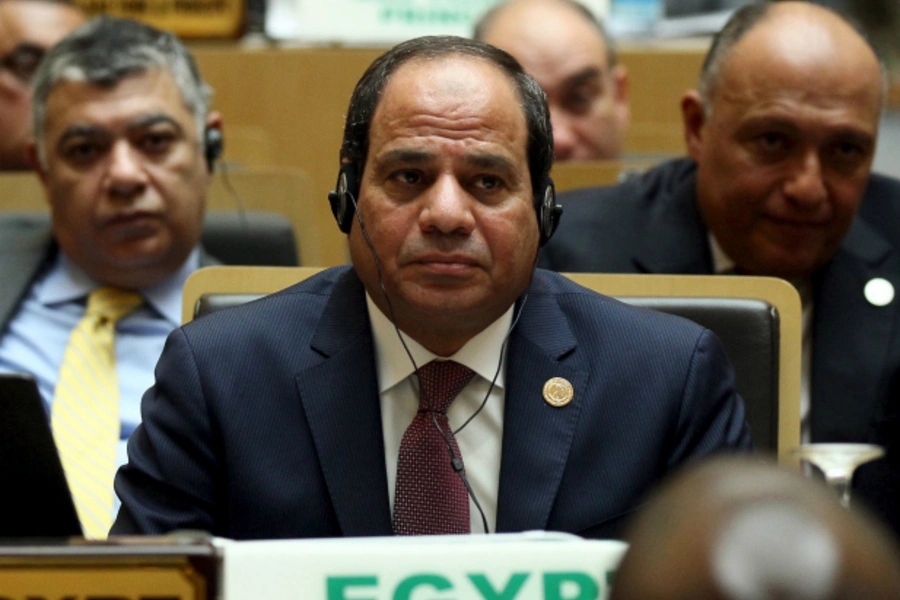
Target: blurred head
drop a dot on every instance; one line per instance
(28, 28)
(119, 115)
(562, 45)
(783, 129)
(735, 528)
(449, 137)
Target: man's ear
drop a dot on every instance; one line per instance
(214, 120)
(620, 80)
(34, 159)
(693, 116)
(212, 142)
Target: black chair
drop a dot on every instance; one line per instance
(250, 238)
(758, 320)
(750, 331)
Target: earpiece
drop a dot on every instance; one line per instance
(548, 211)
(347, 189)
(213, 144)
(343, 196)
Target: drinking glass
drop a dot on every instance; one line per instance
(837, 462)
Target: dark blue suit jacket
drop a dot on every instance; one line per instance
(265, 422)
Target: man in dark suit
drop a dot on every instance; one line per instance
(120, 115)
(780, 137)
(306, 414)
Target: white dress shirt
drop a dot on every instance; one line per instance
(723, 263)
(480, 441)
(36, 338)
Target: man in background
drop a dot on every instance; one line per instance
(123, 151)
(568, 51)
(28, 28)
(780, 136)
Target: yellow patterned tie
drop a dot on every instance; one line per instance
(85, 410)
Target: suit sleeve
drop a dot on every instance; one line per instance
(878, 482)
(172, 476)
(712, 413)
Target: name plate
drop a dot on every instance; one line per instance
(378, 22)
(186, 18)
(106, 572)
(534, 565)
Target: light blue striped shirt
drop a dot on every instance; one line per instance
(36, 338)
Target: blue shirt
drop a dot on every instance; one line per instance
(36, 338)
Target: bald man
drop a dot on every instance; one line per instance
(734, 528)
(28, 28)
(566, 49)
(780, 136)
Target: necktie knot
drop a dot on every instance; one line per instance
(442, 381)
(109, 304)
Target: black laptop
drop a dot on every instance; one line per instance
(34, 496)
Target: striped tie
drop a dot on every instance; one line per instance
(85, 410)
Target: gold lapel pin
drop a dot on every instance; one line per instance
(558, 392)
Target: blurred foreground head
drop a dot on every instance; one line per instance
(735, 528)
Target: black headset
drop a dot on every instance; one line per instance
(342, 202)
(213, 144)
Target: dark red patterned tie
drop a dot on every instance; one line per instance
(430, 496)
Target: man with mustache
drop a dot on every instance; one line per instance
(122, 124)
(323, 410)
(780, 137)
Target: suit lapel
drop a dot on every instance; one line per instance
(851, 336)
(21, 258)
(536, 437)
(340, 399)
(674, 238)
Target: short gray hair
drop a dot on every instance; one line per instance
(106, 50)
(739, 25)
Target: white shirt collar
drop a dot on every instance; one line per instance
(66, 282)
(722, 263)
(481, 353)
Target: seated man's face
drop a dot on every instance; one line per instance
(567, 56)
(27, 30)
(125, 177)
(784, 152)
(446, 200)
